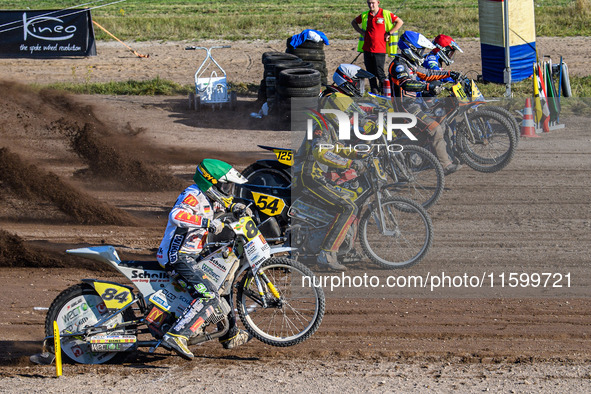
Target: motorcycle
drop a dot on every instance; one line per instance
(472, 93)
(394, 232)
(414, 173)
(477, 135)
(101, 321)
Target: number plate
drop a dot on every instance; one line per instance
(257, 251)
(115, 296)
(284, 156)
(269, 205)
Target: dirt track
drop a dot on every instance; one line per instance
(531, 217)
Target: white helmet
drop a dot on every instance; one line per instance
(351, 79)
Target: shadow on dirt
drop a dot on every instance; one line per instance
(224, 118)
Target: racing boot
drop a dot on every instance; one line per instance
(329, 259)
(178, 343)
(236, 338)
(451, 168)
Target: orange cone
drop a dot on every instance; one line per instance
(528, 129)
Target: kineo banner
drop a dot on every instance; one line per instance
(46, 33)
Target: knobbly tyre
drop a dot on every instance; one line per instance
(394, 232)
(101, 321)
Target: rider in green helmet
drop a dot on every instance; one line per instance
(189, 222)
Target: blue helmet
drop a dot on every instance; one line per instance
(412, 45)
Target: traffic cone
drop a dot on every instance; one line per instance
(528, 129)
(387, 88)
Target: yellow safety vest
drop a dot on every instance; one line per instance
(392, 44)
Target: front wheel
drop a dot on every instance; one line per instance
(417, 174)
(294, 316)
(488, 145)
(396, 234)
(74, 309)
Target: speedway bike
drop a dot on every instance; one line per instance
(394, 232)
(101, 321)
(414, 172)
(481, 137)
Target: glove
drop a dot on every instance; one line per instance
(215, 226)
(239, 209)
(435, 88)
(358, 165)
(455, 75)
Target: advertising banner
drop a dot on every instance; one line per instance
(46, 33)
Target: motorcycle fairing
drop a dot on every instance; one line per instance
(115, 295)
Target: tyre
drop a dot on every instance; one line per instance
(308, 44)
(77, 307)
(284, 321)
(288, 66)
(258, 174)
(307, 54)
(271, 68)
(416, 174)
(299, 78)
(276, 57)
(565, 82)
(509, 116)
(404, 237)
(286, 91)
(262, 92)
(489, 144)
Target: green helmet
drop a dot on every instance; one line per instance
(211, 172)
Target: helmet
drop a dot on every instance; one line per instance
(446, 46)
(351, 79)
(211, 173)
(412, 44)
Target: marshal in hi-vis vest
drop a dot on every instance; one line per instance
(392, 44)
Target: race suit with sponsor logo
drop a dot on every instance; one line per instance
(322, 155)
(406, 81)
(178, 253)
(186, 230)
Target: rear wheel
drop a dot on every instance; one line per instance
(74, 309)
(264, 176)
(396, 234)
(290, 319)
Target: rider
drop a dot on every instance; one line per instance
(325, 154)
(408, 78)
(349, 79)
(189, 222)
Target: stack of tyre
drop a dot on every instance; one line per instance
(297, 90)
(312, 52)
(270, 60)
